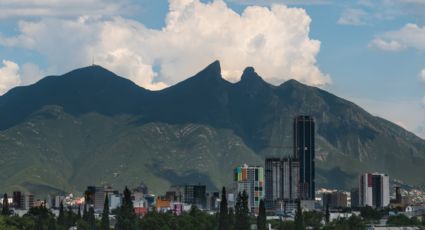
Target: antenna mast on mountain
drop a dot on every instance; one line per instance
(92, 61)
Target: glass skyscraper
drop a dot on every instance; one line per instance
(304, 152)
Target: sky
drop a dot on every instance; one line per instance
(370, 52)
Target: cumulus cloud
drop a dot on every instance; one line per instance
(275, 40)
(9, 76)
(410, 36)
(62, 8)
(353, 17)
(379, 43)
(287, 2)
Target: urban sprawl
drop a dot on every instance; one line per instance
(277, 192)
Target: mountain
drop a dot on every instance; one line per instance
(91, 126)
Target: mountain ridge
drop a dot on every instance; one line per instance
(92, 122)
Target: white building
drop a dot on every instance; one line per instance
(114, 201)
(374, 190)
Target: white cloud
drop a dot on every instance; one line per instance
(422, 75)
(286, 2)
(410, 36)
(62, 8)
(9, 76)
(353, 17)
(386, 45)
(275, 40)
(30, 73)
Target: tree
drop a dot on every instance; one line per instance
(5, 209)
(70, 218)
(312, 219)
(299, 222)
(52, 224)
(85, 214)
(402, 220)
(370, 213)
(61, 217)
(92, 219)
(327, 215)
(231, 218)
(126, 218)
(79, 213)
(242, 212)
(261, 219)
(223, 221)
(105, 214)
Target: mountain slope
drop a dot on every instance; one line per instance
(90, 126)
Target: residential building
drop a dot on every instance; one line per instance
(213, 200)
(115, 201)
(142, 188)
(195, 195)
(175, 193)
(27, 200)
(281, 183)
(354, 194)
(95, 196)
(162, 204)
(251, 180)
(334, 200)
(374, 190)
(58, 200)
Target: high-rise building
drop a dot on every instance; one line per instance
(354, 195)
(17, 200)
(251, 180)
(304, 152)
(96, 196)
(195, 195)
(174, 194)
(374, 190)
(27, 200)
(282, 182)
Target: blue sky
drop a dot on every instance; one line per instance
(370, 52)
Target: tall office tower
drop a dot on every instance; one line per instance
(374, 190)
(195, 195)
(251, 180)
(282, 182)
(17, 200)
(304, 152)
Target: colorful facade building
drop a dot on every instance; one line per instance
(251, 180)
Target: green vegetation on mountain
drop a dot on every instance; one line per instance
(90, 126)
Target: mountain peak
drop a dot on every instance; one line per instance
(249, 74)
(93, 70)
(251, 79)
(293, 82)
(213, 70)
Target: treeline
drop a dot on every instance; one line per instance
(237, 218)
